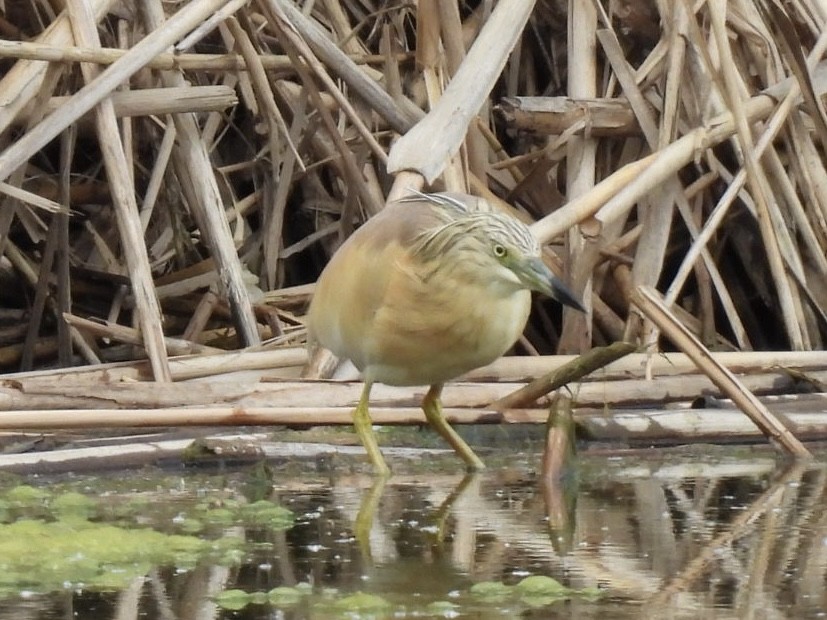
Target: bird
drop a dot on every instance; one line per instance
(431, 287)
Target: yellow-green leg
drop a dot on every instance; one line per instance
(364, 428)
(433, 413)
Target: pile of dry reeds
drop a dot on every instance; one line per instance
(174, 176)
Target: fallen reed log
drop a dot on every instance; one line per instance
(509, 369)
(247, 390)
(135, 453)
(182, 368)
(649, 426)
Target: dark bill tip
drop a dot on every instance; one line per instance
(538, 277)
(563, 294)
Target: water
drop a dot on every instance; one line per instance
(706, 533)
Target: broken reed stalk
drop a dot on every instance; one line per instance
(428, 147)
(198, 180)
(576, 369)
(559, 447)
(31, 50)
(124, 202)
(651, 305)
(31, 198)
(558, 480)
(155, 101)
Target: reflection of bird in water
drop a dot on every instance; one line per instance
(418, 523)
(433, 286)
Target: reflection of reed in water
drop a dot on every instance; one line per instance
(751, 556)
(680, 538)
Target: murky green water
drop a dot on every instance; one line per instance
(703, 534)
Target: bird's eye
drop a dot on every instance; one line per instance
(500, 251)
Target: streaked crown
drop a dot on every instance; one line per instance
(469, 224)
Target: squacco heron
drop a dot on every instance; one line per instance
(433, 286)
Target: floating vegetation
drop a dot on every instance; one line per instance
(53, 540)
(44, 556)
(492, 596)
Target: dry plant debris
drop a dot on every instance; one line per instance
(173, 176)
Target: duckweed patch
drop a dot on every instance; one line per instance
(491, 591)
(55, 538)
(532, 591)
(488, 596)
(362, 603)
(44, 556)
(174, 512)
(233, 600)
(267, 514)
(285, 597)
(73, 504)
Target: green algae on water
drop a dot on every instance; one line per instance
(46, 556)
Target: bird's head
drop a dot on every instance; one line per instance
(517, 253)
(486, 245)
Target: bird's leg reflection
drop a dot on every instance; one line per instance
(433, 413)
(441, 515)
(466, 490)
(367, 512)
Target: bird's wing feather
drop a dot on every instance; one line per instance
(354, 285)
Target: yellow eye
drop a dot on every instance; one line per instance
(500, 251)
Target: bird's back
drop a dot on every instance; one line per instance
(354, 284)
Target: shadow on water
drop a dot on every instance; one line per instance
(700, 534)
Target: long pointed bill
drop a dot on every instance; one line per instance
(536, 276)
